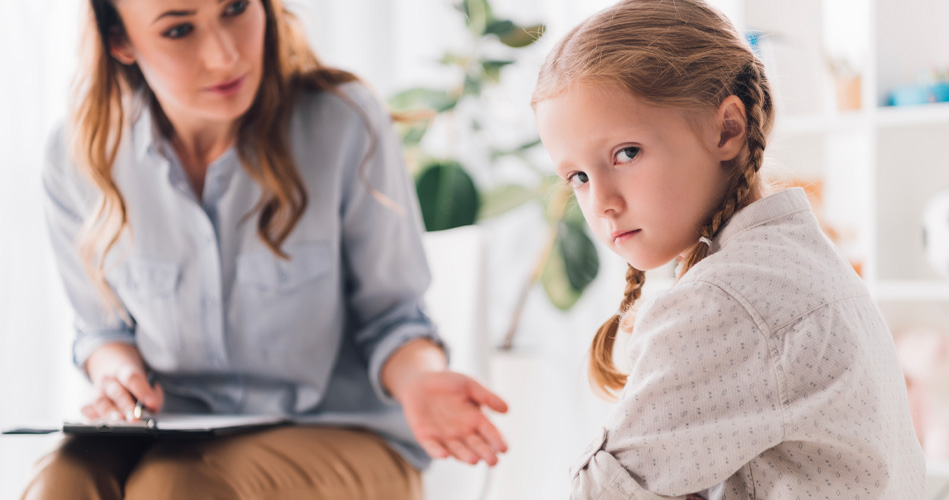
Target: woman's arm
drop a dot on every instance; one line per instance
(105, 345)
(388, 275)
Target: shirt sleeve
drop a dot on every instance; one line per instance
(66, 201)
(386, 269)
(703, 399)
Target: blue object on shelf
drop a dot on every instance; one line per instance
(908, 95)
(940, 91)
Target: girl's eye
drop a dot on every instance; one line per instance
(626, 155)
(178, 31)
(577, 179)
(236, 8)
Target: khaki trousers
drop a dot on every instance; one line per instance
(299, 462)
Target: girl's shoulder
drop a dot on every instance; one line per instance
(781, 271)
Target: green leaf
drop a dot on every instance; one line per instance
(477, 14)
(412, 135)
(573, 215)
(473, 85)
(497, 153)
(500, 27)
(447, 196)
(579, 255)
(572, 265)
(451, 59)
(503, 199)
(492, 68)
(556, 283)
(419, 97)
(522, 37)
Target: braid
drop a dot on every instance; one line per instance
(751, 86)
(604, 376)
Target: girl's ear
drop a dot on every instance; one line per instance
(121, 49)
(732, 124)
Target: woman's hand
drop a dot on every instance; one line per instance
(117, 372)
(443, 409)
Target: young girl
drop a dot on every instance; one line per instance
(766, 371)
(234, 218)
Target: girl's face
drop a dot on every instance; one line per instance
(203, 59)
(644, 179)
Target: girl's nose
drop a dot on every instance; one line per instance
(605, 198)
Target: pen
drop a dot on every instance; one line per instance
(139, 405)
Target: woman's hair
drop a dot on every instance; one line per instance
(106, 90)
(679, 54)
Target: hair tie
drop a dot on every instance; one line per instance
(703, 239)
(619, 313)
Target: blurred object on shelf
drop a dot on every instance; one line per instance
(932, 86)
(924, 355)
(936, 232)
(846, 83)
(844, 238)
(848, 93)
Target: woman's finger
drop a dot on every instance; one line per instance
(461, 452)
(485, 397)
(120, 398)
(137, 384)
(490, 433)
(104, 407)
(90, 412)
(434, 449)
(477, 444)
(159, 398)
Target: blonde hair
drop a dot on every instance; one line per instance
(679, 54)
(104, 89)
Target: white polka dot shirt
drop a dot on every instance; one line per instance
(767, 372)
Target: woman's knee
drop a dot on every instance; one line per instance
(81, 469)
(176, 470)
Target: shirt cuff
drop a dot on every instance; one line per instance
(87, 342)
(397, 338)
(599, 476)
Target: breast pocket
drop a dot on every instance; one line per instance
(149, 290)
(279, 298)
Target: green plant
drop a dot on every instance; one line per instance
(448, 195)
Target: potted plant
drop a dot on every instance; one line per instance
(448, 194)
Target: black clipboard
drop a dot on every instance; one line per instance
(165, 426)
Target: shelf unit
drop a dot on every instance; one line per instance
(878, 165)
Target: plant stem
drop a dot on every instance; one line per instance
(556, 211)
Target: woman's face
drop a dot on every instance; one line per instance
(203, 59)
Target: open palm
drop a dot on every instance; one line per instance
(443, 410)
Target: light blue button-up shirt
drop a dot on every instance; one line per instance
(227, 326)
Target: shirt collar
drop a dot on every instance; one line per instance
(145, 135)
(775, 206)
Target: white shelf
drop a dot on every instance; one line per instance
(922, 114)
(819, 124)
(915, 291)
(892, 116)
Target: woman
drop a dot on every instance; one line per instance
(246, 235)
